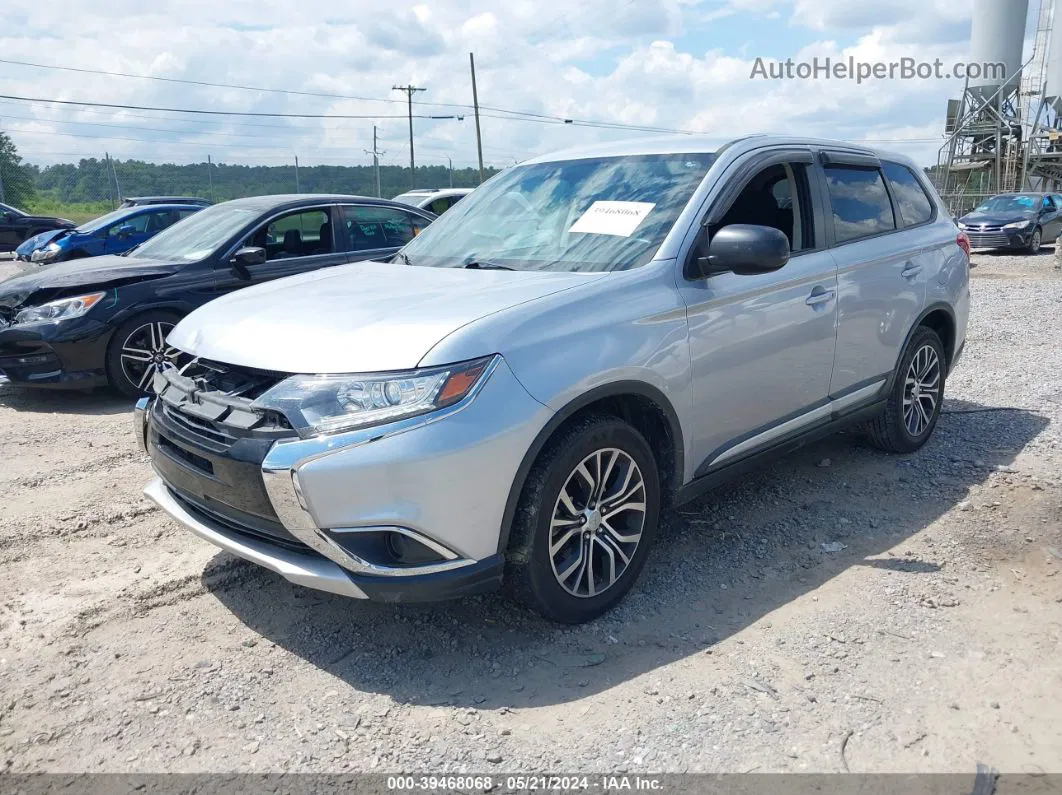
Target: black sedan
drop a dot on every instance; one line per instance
(17, 226)
(92, 322)
(1014, 220)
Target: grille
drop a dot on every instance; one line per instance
(203, 429)
(988, 239)
(211, 404)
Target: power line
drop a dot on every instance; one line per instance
(327, 95)
(218, 112)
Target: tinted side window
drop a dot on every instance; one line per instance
(439, 206)
(859, 201)
(138, 223)
(911, 200)
(370, 227)
(302, 233)
(1049, 203)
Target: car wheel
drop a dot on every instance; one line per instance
(586, 518)
(138, 350)
(1035, 240)
(913, 407)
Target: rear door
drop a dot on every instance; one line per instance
(295, 241)
(376, 232)
(881, 270)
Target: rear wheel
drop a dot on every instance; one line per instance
(138, 350)
(585, 521)
(913, 407)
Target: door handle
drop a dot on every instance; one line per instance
(819, 296)
(910, 270)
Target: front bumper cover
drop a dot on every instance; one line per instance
(68, 353)
(307, 500)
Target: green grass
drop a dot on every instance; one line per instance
(78, 212)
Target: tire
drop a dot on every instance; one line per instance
(135, 340)
(907, 421)
(571, 586)
(1035, 241)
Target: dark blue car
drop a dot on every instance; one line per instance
(113, 233)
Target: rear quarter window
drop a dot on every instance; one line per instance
(914, 206)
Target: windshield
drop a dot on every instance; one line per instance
(598, 214)
(1021, 203)
(199, 235)
(96, 224)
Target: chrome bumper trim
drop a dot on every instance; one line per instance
(140, 423)
(295, 567)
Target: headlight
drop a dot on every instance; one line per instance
(62, 309)
(1018, 225)
(315, 404)
(49, 252)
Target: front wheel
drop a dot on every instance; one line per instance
(1035, 241)
(138, 350)
(585, 521)
(913, 407)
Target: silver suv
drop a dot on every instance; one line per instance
(587, 339)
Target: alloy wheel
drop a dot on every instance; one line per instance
(145, 353)
(597, 522)
(1034, 243)
(921, 391)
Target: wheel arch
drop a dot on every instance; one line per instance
(940, 317)
(642, 405)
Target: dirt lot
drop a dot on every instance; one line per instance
(927, 640)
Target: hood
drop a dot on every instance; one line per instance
(359, 318)
(997, 218)
(31, 244)
(49, 220)
(65, 277)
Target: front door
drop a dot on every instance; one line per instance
(295, 242)
(762, 346)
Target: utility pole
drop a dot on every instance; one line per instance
(451, 162)
(210, 178)
(375, 162)
(297, 190)
(475, 105)
(409, 90)
(117, 187)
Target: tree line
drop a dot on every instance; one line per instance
(97, 180)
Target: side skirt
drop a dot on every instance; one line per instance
(727, 472)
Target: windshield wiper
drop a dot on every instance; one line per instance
(403, 257)
(487, 266)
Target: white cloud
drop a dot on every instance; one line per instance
(653, 62)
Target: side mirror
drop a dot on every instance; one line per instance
(125, 230)
(744, 249)
(248, 255)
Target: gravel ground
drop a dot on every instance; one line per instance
(839, 610)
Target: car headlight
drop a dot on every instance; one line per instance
(1018, 225)
(316, 404)
(61, 309)
(49, 252)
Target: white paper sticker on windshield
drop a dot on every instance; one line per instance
(612, 218)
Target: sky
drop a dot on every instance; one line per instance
(672, 64)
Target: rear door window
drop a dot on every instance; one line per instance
(859, 202)
(368, 227)
(914, 206)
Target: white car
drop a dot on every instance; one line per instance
(436, 200)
